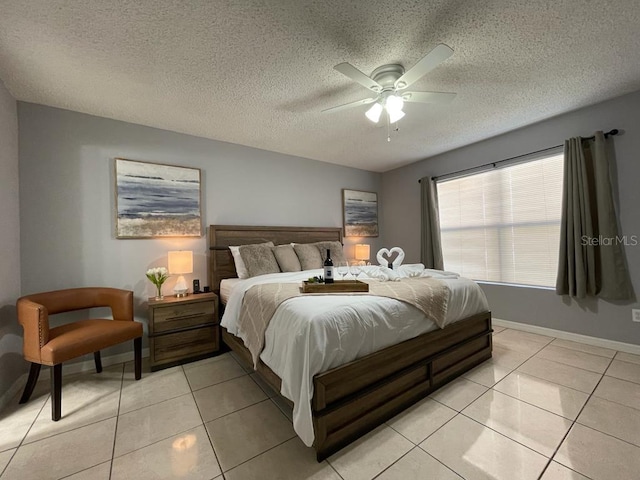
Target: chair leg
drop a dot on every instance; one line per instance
(137, 351)
(56, 392)
(98, 360)
(31, 382)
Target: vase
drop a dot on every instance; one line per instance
(159, 295)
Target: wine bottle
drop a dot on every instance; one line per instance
(328, 268)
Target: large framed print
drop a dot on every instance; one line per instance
(155, 200)
(360, 210)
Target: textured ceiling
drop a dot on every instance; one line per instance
(258, 73)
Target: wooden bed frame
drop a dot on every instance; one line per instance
(351, 400)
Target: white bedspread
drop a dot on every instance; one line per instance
(312, 334)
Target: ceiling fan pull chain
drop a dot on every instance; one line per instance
(388, 129)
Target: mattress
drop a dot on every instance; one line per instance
(312, 334)
(226, 286)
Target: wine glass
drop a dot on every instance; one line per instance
(355, 270)
(343, 269)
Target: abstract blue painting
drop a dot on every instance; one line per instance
(360, 213)
(154, 200)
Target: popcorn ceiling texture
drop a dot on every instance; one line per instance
(258, 73)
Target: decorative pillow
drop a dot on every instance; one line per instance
(309, 256)
(337, 255)
(287, 258)
(241, 269)
(259, 259)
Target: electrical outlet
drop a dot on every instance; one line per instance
(635, 314)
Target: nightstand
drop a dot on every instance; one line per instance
(183, 329)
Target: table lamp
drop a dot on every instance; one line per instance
(363, 252)
(181, 263)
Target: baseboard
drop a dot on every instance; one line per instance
(574, 337)
(67, 369)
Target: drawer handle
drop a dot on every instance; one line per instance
(187, 316)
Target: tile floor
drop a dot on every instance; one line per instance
(541, 408)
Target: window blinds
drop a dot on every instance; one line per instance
(503, 225)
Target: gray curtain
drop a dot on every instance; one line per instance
(592, 261)
(431, 247)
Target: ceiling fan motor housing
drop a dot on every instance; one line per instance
(386, 75)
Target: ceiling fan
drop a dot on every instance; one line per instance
(388, 82)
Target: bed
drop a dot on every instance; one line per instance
(353, 398)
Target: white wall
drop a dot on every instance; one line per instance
(67, 197)
(12, 365)
(401, 214)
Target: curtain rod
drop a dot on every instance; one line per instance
(611, 133)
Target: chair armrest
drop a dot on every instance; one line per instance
(121, 303)
(34, 319)
(60, 301)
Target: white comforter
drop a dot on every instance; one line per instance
(312, 334)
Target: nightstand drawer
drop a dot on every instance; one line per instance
(189, 343)
(178, 316)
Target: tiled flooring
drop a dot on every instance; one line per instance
(542, 408)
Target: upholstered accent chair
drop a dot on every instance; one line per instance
(43, 345)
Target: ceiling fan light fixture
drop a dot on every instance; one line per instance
(374, 112)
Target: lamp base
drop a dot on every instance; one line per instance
(181, 289)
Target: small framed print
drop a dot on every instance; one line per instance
(360, 211)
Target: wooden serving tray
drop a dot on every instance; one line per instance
(338, 286)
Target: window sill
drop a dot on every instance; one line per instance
(516, 285)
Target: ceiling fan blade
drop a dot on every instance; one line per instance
(357, 76)
(428, 97)
(430, 61)
(350, 105)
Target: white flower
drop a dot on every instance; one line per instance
(157, 275)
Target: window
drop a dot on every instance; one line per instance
(503, 225)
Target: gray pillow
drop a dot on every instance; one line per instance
(241, 270)
(259, 259)
(309, 256)
(287, 258)
(337, 255)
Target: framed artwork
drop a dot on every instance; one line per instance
(154, 200)
(360, 210)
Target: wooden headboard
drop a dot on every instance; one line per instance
(221, 264)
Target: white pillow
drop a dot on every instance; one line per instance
(241, 268)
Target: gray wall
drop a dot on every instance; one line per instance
(401, 214)
(67, 197)
(12, 365)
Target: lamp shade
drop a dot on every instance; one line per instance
(395, 115)
(374, 112)
(180, 262)
(363, 251)
(394, 104)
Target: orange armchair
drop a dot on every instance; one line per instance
(53, 346)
